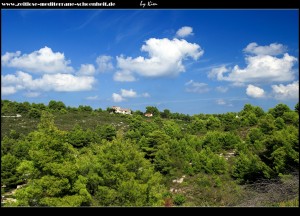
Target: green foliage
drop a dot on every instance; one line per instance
(297, 107)
(279, 123)
(179, 199)
(56, 105)
(9, 175)
(110, 110)
(51, 173)
(255, 134)
(8, 107)
(165, 114)
(34, 113)
(249, 167)
(138, 112)
(23, 108)
(162, 160)
(283, 150)
(78, 137)
(39, 106)
(290, 203)
(107, 132)
(248, 108)
(80, 157)
(252, 119)
(217, 141)
(198, 126)
(127, 178)
(213, 123)
(85, 108)
(230, 121)
(172, 129)
(291, 118)
(267, 124)
(279, 110)
(209, 162)
(27, 170)
(153, 110)
(212, 190)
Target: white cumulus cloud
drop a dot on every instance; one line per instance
(165, 59)
(218, 72)
(255, 92)
(48, 82)
(273, 49)
(128, 93)
(40, 61)
(117, 97)
(196, 87)
(104, 63)
(184, 31)
(124, 76)
(260, 68)
(125, 94)
(8, 90)
(86, 70)
(285, 92)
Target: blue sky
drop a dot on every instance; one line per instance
(188, 61)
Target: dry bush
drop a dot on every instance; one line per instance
(272, 192)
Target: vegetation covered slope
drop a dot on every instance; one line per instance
(61, 156)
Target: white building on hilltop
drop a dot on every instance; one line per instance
(121, 110)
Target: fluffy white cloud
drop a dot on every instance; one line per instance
(41, 61)
(104, 63)
(184, 31)
(86, 70)
(165, 59)
(8, 56)
(48, 82)
(124, 76)
(128, 93)
(273, 49)
(217, 72)
(125, 94)
(254, 91)
(259, 69)
(196, 87)
(117, 98)
(8, 90)
(222, 89)
(285, 92)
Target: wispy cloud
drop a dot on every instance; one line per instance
(87, 21)
(92, 97)
(223, 102)
(209, 68)
(196, 87)
(191, 100)
(222, 89)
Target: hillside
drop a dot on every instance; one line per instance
(53, 155)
